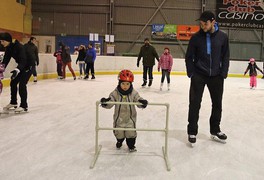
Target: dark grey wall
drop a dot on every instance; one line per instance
(130, 21)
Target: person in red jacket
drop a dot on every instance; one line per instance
(57, 54)
(165, 63)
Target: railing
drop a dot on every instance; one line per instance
(165, 130)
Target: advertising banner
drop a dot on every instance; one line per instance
(240, 13)
(164, 31)
(184, 32)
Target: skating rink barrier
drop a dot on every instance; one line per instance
(165, 130)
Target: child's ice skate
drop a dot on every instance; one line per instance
(133, 149)
(118, 145)
(219, 137)
(192, 140)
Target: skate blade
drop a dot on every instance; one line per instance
(215, 138)
(192, 145)
(9, 109)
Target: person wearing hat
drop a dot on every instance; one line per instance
(149, 53)
(125, 116)
(32, 54)
(252, 68)
(207, 63)
(20, 75)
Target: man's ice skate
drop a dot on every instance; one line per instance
(132, 149)
(219, 137)
(10, 106)
(150, 83)
(20, 110)
(144, 83)
(86, 77)
(192, 140)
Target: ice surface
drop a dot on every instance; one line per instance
(56, 138)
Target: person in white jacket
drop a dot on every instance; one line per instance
(125, 116)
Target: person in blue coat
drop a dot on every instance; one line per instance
(89, 60)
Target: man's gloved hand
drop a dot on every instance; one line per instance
(137, 63)
(15, 72)
(104, 100)
(144, 102)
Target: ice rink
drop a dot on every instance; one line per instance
(55, 140)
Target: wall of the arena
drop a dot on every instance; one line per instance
(131, 21)
(113, 64)
(15, 17)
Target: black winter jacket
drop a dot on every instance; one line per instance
(252, 69)
(17, 51)
(149, 54)
(199, 61)
(32, 53)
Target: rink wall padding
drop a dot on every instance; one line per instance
(111, 65)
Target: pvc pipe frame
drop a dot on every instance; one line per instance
(166, 130)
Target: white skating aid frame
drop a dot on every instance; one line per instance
(166, 130)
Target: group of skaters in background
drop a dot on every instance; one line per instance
(86, 59)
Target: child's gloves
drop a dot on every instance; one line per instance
(104, 100)
(144, 102)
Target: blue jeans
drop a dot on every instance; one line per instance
(82, 68)
(166, 73)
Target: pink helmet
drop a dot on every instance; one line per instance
(251, 60)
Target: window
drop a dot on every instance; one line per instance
(21, 1)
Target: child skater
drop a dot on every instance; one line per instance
(252, 68)
(125, 116)
(165, 64)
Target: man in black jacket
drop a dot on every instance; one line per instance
(149, 53)
(20, 75)
(32, 54)
(207, 63)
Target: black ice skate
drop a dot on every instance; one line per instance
(219, 137)
(150, 83)
(192, 139)
(118, 145)
(86, 77)
(144, 83)
(133, 149)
